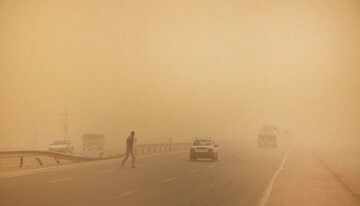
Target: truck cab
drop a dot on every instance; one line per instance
(268, 136)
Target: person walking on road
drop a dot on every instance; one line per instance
(130, 149)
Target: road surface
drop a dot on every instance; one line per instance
(244, 175)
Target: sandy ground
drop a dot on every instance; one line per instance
(320, 173)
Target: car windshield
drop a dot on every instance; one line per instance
(202, 143)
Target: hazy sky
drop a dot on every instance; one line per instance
(176, 69)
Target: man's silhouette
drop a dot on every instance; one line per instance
(130, 149)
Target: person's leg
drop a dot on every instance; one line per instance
(133, 158)
(126, 157)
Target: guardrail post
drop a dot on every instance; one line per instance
(39, 161)
(21, 161)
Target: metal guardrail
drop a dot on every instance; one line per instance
(57, 156)
(158, 148)
(139, 149)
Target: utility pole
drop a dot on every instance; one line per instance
(66, 119)
(116, 124)
(36, 131)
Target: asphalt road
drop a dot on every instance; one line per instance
(244, 175)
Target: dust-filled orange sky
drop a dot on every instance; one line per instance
(177, 69)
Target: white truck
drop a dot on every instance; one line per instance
(93, 142)
(268, 136)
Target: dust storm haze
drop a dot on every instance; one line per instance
(177, 70)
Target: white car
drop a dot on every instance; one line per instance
(63, 146)
(204, 148)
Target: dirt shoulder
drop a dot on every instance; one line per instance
(315, 175)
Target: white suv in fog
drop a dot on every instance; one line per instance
(63, 146)
(204, 148)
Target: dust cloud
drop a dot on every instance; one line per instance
(177, 70)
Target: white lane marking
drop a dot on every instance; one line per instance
(269, 188)
(106, 171)
(126, 194)
(169, 179)
(193, 171)
(61, 180)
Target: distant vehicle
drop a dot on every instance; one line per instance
(268, 136)
(63, 146)
(204, 148)
(93, 142)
